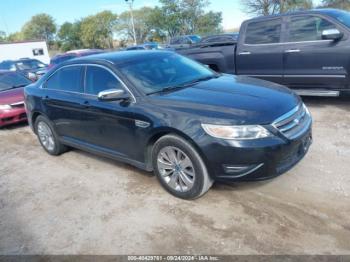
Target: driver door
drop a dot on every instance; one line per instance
(107, 126)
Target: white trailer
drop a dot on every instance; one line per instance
(32, 49)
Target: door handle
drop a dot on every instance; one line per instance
(292, 51)
(85, 104)
(46, 98)
(244, 53)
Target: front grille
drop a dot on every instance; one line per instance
(294, 123)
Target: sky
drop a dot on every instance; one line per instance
(14, 13)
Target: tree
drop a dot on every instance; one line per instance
(270, 7)
(97, 30)
(69, 36)
(15, 37)
(2, 36)
(41, 26)
(341, 4)
(175, 17)
(208, 23)
(142, 22)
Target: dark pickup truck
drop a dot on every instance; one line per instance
(308, 51)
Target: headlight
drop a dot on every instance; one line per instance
(32, 76)
(242, 132)
(306, 109)
(5, 107)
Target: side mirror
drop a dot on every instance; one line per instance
(332, 34)
(112, 95)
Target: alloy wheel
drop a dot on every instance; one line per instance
(176, 169)
(46, 136)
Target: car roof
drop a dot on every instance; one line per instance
(119, 56)
(304, 12)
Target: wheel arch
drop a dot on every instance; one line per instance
(169, 131)
(34, 116)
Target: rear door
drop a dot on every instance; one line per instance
(311, 62)
(63, 102)
(259, 52)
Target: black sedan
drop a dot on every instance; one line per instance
(165, 113)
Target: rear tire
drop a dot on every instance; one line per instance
(48, 137)
(179, 168)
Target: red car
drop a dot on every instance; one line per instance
(12, 98)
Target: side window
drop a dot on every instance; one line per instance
(264, 32)
(185, 41)
(99, 79)
(307, 28)
(175, 41)
(38, 51)
(66, 79)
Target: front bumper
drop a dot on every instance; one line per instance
(231, 161)
(12, 116)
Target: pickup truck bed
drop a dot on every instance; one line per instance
(218, 56)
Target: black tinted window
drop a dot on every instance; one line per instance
(66, 79)
(307, 28)
(175, 41)
(263, 32)
(99, 79)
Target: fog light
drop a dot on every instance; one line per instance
(241, 170)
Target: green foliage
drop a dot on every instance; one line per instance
(2, 36)
(269, 7)
(97, 30)
(176, 17)
(143, 25)
(170, 18)
(209, 23)
(69, 36)
(15, 37)
(41, 26)
(341, 4)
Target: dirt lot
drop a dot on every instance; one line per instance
(82, 204)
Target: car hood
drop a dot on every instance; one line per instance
(11, 96)
(231, 99)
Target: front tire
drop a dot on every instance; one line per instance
(179, 168)
(48, 137)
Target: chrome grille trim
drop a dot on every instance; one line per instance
(294, 123)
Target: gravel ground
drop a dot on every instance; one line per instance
(79, 203)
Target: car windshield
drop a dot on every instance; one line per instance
(164, 71)
(12, 80)
(29, 64)
(195, 38)
(342, 16)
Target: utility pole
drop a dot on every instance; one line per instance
(131, 3)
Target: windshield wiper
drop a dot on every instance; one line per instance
(177, 87)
